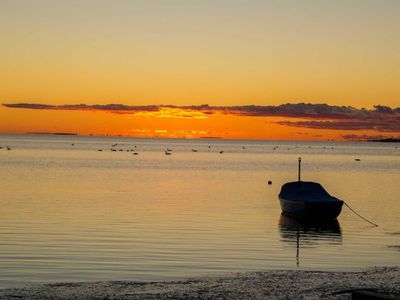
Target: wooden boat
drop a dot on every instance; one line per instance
(308, 200)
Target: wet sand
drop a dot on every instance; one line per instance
(253, 285)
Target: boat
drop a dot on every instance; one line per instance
(308, 200)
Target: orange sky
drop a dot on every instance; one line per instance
(167, 123)
(224, 53)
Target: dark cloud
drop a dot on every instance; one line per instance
(383, 125)
(316, 116)
(115, 108)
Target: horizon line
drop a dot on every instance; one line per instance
(69, 134)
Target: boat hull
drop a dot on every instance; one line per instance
(318, 210)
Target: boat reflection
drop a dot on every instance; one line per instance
(308, 234)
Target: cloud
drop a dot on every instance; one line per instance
(316, 116)
(378, 125)
(116, 108)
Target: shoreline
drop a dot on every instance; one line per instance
(251, 285)
(88, 135)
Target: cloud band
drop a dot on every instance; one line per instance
(317, 116)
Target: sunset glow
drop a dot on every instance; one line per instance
(294, 121)
(165, 59)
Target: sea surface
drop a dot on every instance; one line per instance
(69, 212)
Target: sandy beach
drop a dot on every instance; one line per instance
(253, 285)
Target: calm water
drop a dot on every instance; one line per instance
(73, 213)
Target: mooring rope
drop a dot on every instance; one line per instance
(376, 225)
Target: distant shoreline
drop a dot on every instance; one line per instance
(251, 285)
(386, 140)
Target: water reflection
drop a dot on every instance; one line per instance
(308, 234)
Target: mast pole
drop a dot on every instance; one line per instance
(299, 167)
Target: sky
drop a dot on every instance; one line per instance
(176, 55)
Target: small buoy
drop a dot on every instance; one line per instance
(269, 182)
